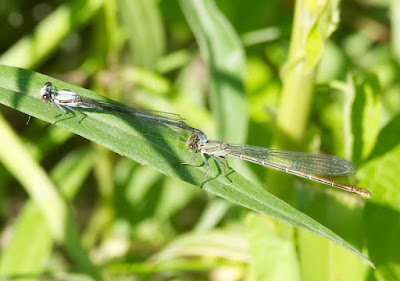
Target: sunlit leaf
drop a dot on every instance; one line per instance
(156, 148)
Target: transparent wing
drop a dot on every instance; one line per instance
(106, 105)
(171, 120)
(305, 162)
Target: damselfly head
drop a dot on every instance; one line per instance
(193, 143)
(45, 92)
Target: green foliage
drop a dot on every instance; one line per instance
(233, 71)
(148, 146)
(223, 51)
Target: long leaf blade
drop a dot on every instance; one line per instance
(162, 151)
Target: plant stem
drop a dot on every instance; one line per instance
(295, 104)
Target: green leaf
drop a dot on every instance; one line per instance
(387, 139)
(33, 178)
(221, 48)
(36, 247)
(157, 148)
(320, 258)
(381, 176)
(68, 174)
(144, 29)
(325, 15)
(382, 236)
(362, 113)
(222, 244)
(323, 260)
(266, 245)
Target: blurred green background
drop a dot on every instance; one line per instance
(315, 76)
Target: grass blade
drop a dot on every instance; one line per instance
(160, 150)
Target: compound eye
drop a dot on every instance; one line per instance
(46, 92)
(45, 97)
